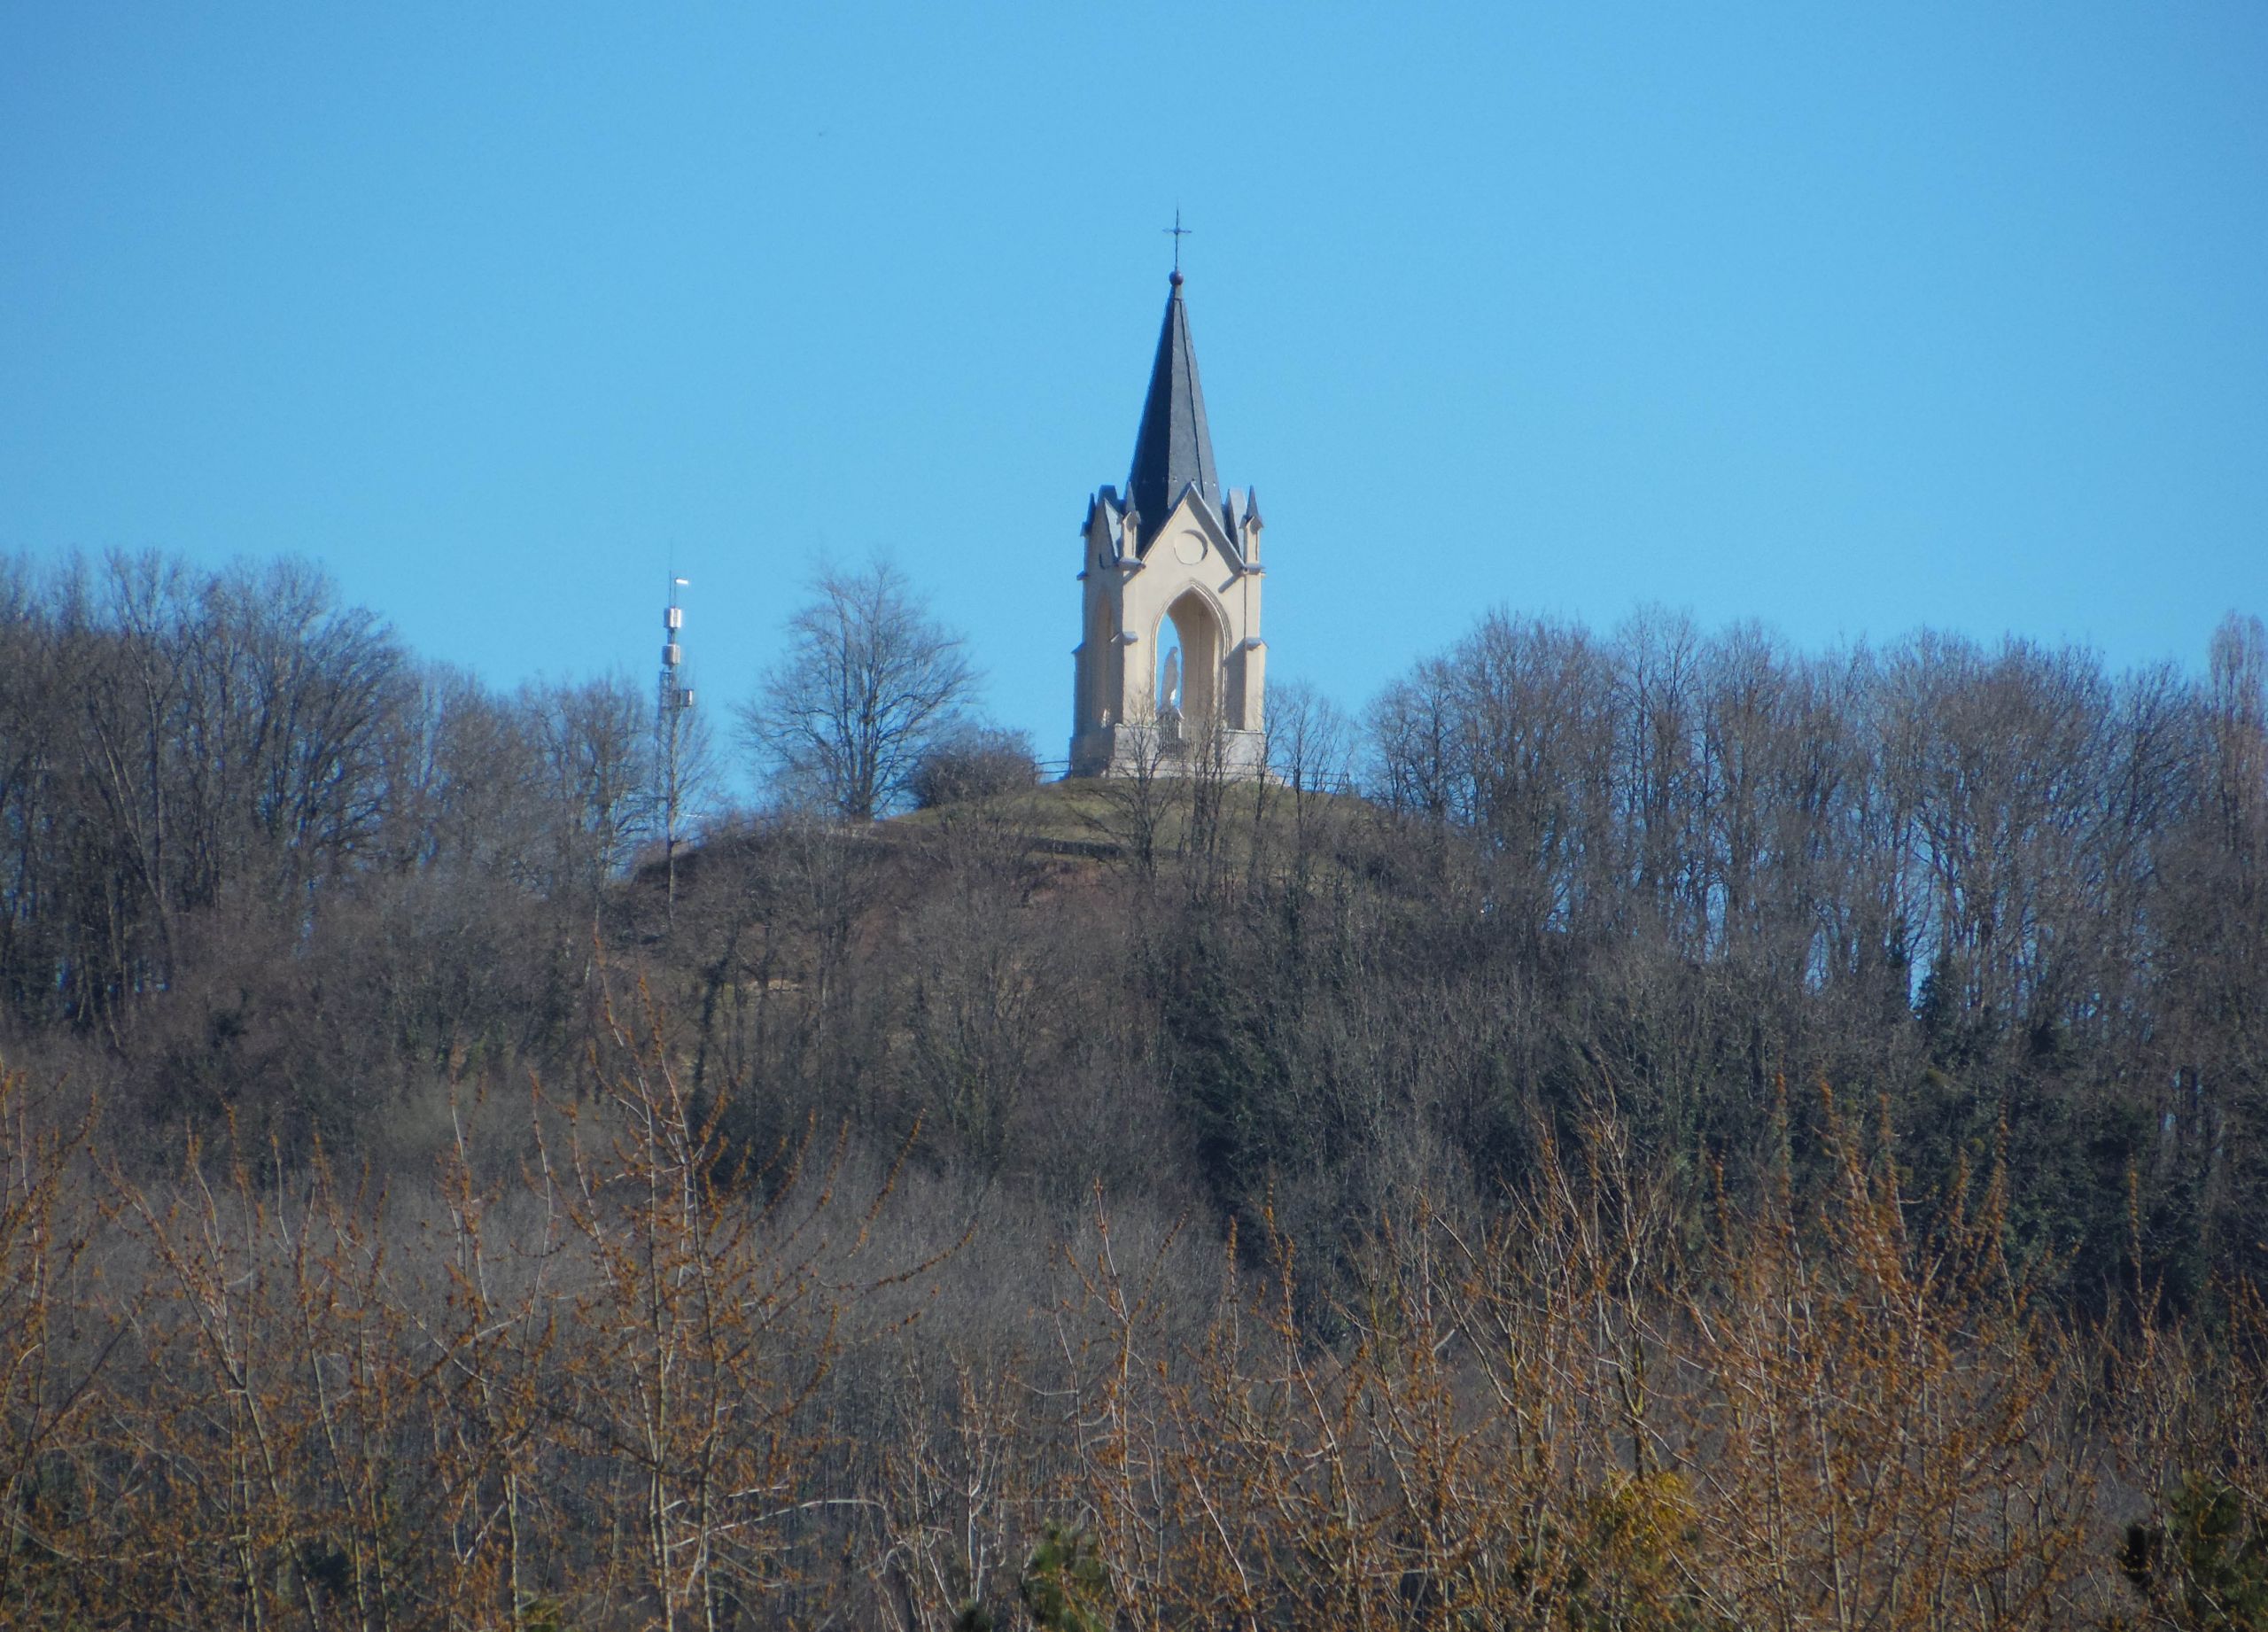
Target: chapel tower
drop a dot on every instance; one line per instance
(1170, 650)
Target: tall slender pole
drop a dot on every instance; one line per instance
(672, 703)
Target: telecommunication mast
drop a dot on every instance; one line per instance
(673, 703)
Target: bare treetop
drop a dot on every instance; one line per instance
(868, 682)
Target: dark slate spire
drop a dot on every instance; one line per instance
(1173, 448)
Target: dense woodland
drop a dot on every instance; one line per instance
(1653, 1128)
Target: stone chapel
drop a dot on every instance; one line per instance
(1170, 650)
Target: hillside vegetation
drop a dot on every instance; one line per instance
(1676, 1132)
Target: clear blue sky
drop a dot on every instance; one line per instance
(1846, 319)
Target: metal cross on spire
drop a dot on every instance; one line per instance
(1179, 232)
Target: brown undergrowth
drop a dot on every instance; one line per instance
(650, 1380)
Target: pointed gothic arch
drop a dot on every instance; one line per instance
(1202, 629)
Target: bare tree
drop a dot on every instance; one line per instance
(1138, 794)
(1310, 746)
(868, 683)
